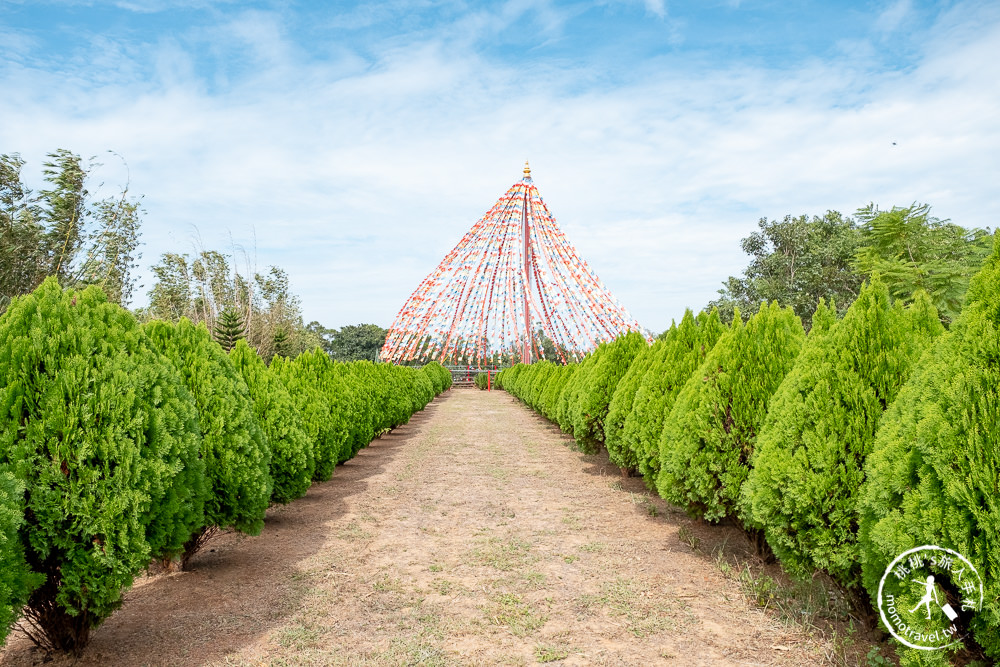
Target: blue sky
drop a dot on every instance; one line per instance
(353, 144)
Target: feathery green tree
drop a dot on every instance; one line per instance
(621, 407)
(228, 329)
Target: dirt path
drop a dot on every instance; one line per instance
(472, 535)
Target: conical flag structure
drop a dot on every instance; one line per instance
(513, 280)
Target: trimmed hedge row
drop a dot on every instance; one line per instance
(842, 449)
(121, 444)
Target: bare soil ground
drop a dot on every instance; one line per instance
(471, 536)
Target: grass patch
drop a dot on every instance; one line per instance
(643, 613)
(804, 601)
(511, 611)
(503, 555)
(547, 653)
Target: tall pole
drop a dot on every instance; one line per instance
(525, 234)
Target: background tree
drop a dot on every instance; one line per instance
(228, 329)
(60, 232)
(357, 341)
(796, 262)
(911, 250)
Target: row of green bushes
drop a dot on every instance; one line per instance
(843, 448)
(122, 444)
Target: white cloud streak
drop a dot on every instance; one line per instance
(358, 174)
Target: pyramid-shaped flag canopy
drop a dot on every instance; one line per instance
(513, 289)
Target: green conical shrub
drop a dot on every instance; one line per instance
(569, 399)
(553, 388)
(621, 407)
(674, 359)
(102, 435)
(308, 380)
(808, 460)
(292, 460)
(709, 435)
(934, 472)
(595, 393)
(233, 447)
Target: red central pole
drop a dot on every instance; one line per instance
(526, 233)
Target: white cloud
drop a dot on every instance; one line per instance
(894, 15)
(358, 175)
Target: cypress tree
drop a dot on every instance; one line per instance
(228, 329)
(596, 394)
(553, 388)
(677, 355)
(307, 379)
(621, 407)
(569, 398)
(808, 461)
(233, 447)
(292, 460)
(102, 436)
(709, 435)
(934, 472)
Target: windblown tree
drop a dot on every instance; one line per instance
(60, 232)
(209, 286)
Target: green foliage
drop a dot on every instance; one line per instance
(433, 373)
(795, 262)
(569, 397)
(809, 457)
(594, 393)
(102, 435)
(15, 577)
(60, 232)
(292, 460)
(309, 380)
(233, 447)
(911, 251)
(620, 408)
(934, 473)
(674, 358)
(228, 329)
(356, 341)
(709, 435)
(481, 380)
(558, 379)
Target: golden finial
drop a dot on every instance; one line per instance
(527, 170)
